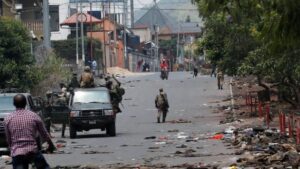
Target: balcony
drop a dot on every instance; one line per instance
(34, 25)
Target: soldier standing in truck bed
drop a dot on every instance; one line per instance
(87, 78)
(74, 82)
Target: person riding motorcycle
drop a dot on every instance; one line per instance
(164, 69)
(164, 65)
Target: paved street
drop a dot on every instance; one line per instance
(190, 99)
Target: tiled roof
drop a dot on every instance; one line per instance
(72, 19)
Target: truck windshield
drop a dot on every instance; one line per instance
(91, 97)
(6, 103)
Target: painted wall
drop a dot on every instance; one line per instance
(143, 33)
(64, 13)
(114, 51)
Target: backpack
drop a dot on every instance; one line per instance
(160, 102)
(120, 91)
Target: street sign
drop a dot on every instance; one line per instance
(81, 17)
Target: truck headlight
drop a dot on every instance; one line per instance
(74, 113)
(109, 112)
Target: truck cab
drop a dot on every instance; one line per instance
(7, 107)
(91, 108)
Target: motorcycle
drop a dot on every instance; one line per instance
(164, 74)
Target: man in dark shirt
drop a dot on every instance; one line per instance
(22, 127)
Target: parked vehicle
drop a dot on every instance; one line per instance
(7, 107)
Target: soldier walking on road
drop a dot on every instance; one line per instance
(162, 104)
(220, 77)
(21, 128)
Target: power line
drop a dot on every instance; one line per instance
(170, 9)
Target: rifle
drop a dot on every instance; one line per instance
(122, 105)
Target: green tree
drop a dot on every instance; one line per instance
(15, 59)
(259, 38)
(50, 73)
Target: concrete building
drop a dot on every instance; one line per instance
(143, 32)
(59, 10)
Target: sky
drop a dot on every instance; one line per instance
(141, 3)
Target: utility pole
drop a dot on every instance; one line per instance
(91, 30)
(82, 35)
(157, 45)
(77, 47)
(125, 40)
(46, 25)
(177, 52)
(109, 38)
(104, 42)
(132, 13)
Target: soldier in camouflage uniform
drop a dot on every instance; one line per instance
(48, 111)
(220, 78)
(74, 82)
(162, 104)
(87, 78)
(116, 92)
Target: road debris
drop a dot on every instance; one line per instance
(96, 152)
(180, 121)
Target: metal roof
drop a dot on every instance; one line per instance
(167, 24)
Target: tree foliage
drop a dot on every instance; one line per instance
(51, 73)
(255, 37)
(18, 67)
(16, 60)
(66, 49)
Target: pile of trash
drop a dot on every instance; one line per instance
(263, 147)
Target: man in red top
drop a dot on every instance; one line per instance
(164, 65)
(21, 128)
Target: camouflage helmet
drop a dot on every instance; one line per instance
(48, 93)
(87, 69)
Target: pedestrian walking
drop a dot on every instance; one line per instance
(195, 72)
(162, 104)
(94, 66)
(220, 77)
(21, 128)
(213, 70)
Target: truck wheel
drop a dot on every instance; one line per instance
(72, 132)
(111, 129)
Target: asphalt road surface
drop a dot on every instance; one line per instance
(191, 99)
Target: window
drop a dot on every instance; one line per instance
(91, 97)
(6, 104)
(54, 18)
(1, 8)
